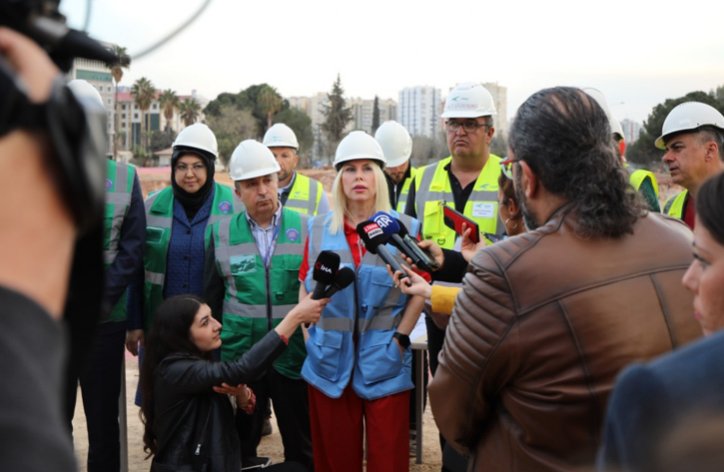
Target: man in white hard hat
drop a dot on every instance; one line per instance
(396, 144)
(693, 138)
(99, 374)
(642, 180)
(296, 191)
(467, 180)
(252, 281)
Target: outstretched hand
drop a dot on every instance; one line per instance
(467, 247)
(411, 285)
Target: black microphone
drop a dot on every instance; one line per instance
(344, 277)
(392, 228)
(325, 270)
(429, 261)
(374, 239)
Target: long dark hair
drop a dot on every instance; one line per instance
(170, 333)
(710, 206)
(565, 138)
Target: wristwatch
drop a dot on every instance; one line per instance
(403, 339)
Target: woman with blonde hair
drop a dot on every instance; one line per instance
(358, 362)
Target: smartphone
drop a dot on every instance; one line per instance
(454, 220)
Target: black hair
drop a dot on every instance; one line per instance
(565, 138)
(170, 333)
(710, 206)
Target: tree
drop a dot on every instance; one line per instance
(190, 111)
(169, 102)
(143, 93)
(123, 61)
(643, 150)
(162, 139)
(269, 103)
(337, 116)
(375, 114)
(231, 125)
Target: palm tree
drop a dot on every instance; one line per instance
(169, 102)
(117, 67)
(270, 103)
(189, 110)
(143, 94)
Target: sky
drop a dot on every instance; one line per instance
(637, 52)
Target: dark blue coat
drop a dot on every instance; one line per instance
(651, 400)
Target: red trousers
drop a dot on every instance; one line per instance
(337, 427)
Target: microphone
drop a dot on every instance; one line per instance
(430, 262)
(374, 239)
(325, 270)
(344, 277)
(393, 228)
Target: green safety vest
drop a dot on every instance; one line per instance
(637, 178)
(674, 206)
(405, 190)
(432, 191)
(256, 297)
(159, 220)
(304, 195)
(119, 185)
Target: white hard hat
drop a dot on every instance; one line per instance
(197, 136)
(252, 159)
(603, 103)
(85, 93)
(469, 100)
(395, 141)
(689, 116)
(280, 135)
(358, 145)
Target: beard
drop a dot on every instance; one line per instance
(529, 218)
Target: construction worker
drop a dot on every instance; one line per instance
(296, 191)
(642, 180)
(178, 231)
(252, 281)
(396, 144)
(100, 374)
(467, 180)
(693, 138)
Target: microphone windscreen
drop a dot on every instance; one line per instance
(387, 222)
(326, 267)
(371, 234)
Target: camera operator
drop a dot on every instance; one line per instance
(37, 234)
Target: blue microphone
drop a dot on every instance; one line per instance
(399, 237)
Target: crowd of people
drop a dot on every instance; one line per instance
(562, 340)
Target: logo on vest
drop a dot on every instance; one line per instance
(225, 207)
(292, 234)
(109, 184)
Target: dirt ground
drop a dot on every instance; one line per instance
(270, 446)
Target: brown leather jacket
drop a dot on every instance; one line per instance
(543, 324)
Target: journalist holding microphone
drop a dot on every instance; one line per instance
(358, 358)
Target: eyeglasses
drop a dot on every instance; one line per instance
(196, 168)
(469, 126)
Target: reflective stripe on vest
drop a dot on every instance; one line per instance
(675, 205)
(304, 195)
(405, 191)
(432, 188)
(119, 187)
(159, 221)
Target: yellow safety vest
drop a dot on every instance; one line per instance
(305, 195)
(637, 178)
(433, 190)
(675, 205)
(405, 190)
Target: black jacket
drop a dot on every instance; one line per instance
(188, 412)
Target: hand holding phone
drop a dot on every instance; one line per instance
(455, 220)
